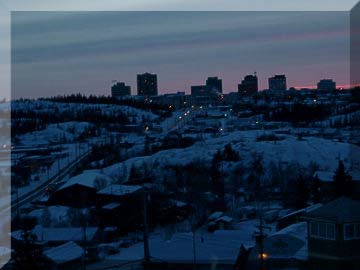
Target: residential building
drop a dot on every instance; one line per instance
(334, 235)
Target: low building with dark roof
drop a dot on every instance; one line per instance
(334, 234)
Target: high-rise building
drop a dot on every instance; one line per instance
(278, 82)
(199, 90)
(147, 84)
(248, 86)
(326, 85)
(119, 89)
(214, 84)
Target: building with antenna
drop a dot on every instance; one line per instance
(249, 85)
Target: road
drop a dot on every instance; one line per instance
(30, 196)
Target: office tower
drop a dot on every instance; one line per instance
(278, 82)
(147, 84)
(248, 86)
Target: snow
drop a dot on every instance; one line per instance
(119, 190)
(55, 133)
(58, 213)
(216, 247)
(290, 150)
(222, 246)
(215, 215)
(64, 253)
(303, 210)
(297, 231)
(325, 176)
(87, 179)
(178, 203)
(111, 206)
(224, 218)
(60, 234)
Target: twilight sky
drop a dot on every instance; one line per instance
(68, 52)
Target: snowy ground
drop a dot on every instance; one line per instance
(309, 149)
(222, 246)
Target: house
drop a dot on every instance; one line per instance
(65, 256)
(80, 191)
(334, 234)
(120, 202)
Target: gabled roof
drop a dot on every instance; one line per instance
(64, 253)
(87, 179)
(341, 210)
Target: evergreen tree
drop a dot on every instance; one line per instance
(343, 184)
(218, 185)
(301, 193)
(257, 171)
(230, 154)
(315, 189)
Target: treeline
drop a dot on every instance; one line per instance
(159, 109)
(24, 121)
(298, 113)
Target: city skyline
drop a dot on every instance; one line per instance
(68, 52)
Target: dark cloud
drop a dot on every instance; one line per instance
(183, 47)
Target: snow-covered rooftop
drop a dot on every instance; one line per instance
(215, 215)
(111, 206)
(119, 190)
(88, 179)
(64, 253)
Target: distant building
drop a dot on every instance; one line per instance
(334, 235)
(278, 82)
(120, 89)
(147, 84)
(214, 84)
(326, 85)
(175, 100)
(199, 90)
(248, 86)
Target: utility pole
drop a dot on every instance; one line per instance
(146, 233)
(194, 249)
(84, 245)
(260, 240)
(261, 244)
